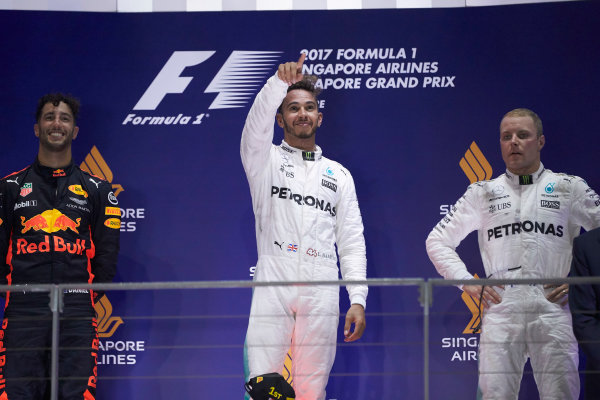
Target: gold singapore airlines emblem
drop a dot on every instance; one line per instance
(475, 165)
(107, 324)
(94, 164)
(474, 326)
(287, 368)
(477, 168)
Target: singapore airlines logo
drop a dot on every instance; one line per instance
(475, 165)
(477, 168)
(474, 326)
(107, 324)
(94, 164)
(287, 368)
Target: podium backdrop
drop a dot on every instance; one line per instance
(412, 104)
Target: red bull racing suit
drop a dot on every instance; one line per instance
(56, 226)
(526, 226)
(303, 204)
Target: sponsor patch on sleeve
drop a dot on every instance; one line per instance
(78, 190)
(114, 223)
(113, 199)
(550, 204)
(329, 185)
(113, 211)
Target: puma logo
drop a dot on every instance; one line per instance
(95, 183)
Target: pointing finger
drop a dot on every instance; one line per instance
(301, 61)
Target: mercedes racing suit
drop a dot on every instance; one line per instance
(304, 204)
(526, 227)
(56, 226)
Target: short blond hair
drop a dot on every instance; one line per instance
(525, 112)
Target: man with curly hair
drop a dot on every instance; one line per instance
(57, 225)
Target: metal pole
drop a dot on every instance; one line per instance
(54, 307)
(425, 300)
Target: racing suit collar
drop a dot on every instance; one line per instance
(302, 154)
(525, 179)
(50, 173)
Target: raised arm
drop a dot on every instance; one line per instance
(257, 135)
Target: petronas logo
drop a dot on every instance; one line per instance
(475, 165)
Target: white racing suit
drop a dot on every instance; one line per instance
(524, 231)
(303, 204)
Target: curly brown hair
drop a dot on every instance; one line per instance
(55, 99)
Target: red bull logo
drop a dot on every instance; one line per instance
(2, 355)
(94, 377)
(63, 223)
(50, 221)
(36, 223)
(58, 172)
(25, 247)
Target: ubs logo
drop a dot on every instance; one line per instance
(499, 207)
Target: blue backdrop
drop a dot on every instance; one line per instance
(407, 93)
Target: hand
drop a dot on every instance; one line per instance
(356, 315)
(489, 294)
(559, 294)
(291, 72)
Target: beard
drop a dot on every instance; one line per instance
(55, 146)
(300, 135)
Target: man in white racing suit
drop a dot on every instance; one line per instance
(526, 221)
(304, 204)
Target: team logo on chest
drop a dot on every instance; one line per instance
(329, 185)
(50, 221)
(26, 189)
(329, 174)
(286, 167)
(308, 200)
(499, 207)
(78, 190)
(550, 204)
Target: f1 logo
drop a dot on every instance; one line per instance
(169, 80)
(236, 82)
